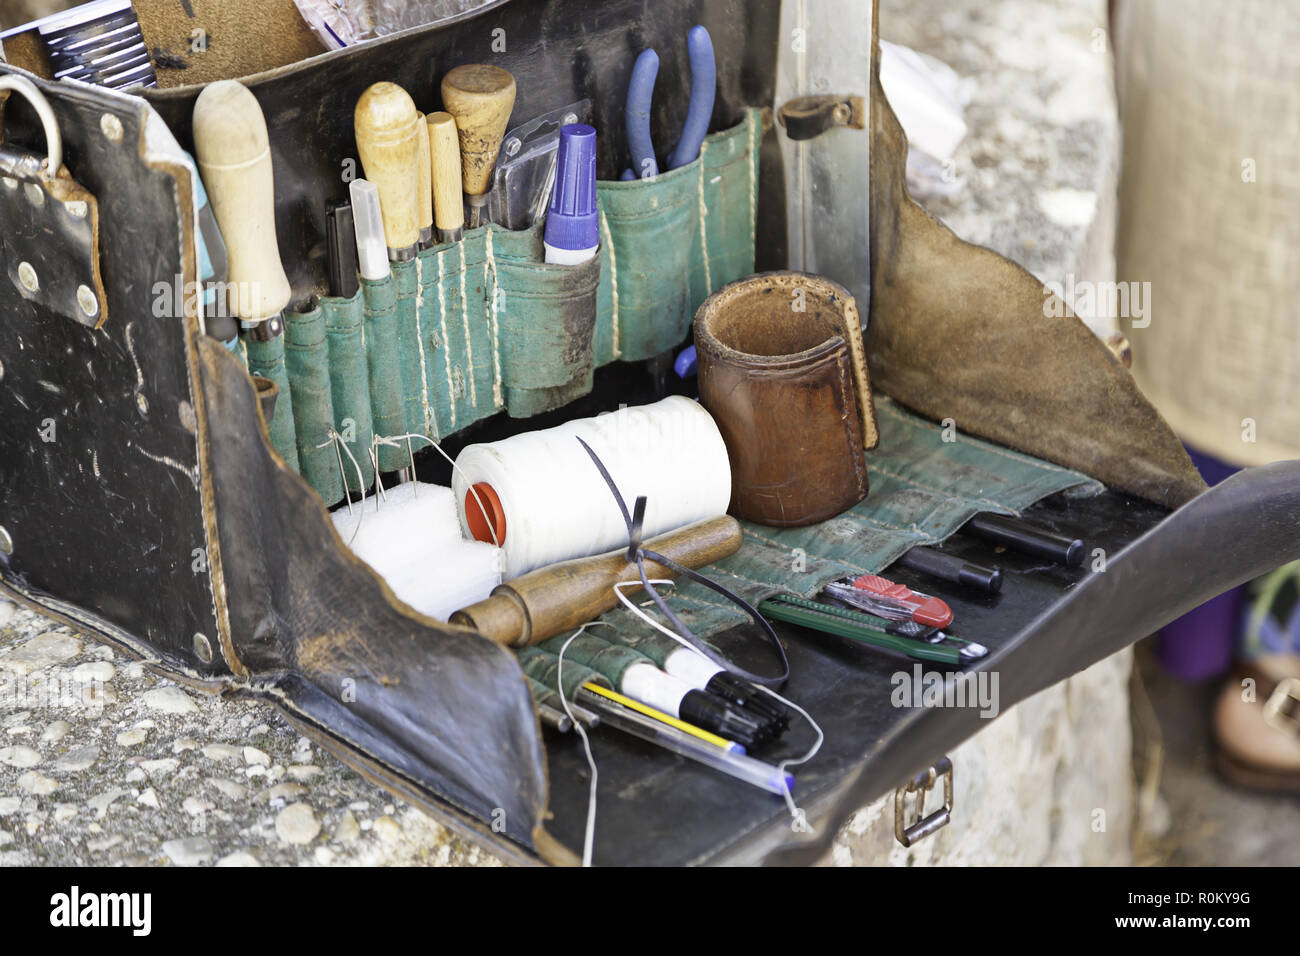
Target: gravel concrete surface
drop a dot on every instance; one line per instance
(104, 763)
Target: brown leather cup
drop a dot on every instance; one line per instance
(782, 371)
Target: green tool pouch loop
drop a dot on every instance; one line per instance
(544, 667)
(350, 386)
(266, 358)
(546, 314)
(670, 241)
(306, 360)
(383, 358)
(456, 335)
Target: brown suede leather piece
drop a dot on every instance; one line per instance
(243, 37)
(959, 332)
(790, 393)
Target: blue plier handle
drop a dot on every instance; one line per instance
(640, 91)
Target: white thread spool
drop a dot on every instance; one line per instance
(411, 538)
(547, 502)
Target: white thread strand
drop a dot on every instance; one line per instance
(608, 241)
(589, 837)
(795, 813)
(446, 342)
(393, 440)
(556, 504)
(469, 337)
(498, 390)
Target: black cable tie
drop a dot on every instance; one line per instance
(637, 554)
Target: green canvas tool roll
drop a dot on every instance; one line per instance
(926, 482)
(483, 325)
(543, 666)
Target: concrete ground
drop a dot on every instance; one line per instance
(103, 763)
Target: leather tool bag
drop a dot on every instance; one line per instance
(142, 500)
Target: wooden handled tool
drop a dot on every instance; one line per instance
(424, 185)
(480, 97)
(444, 155)
(560, 597)
(234, 157)
(388, 139)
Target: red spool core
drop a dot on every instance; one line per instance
(488, 518)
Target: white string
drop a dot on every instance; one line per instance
(795, 812)
(337, 440)
(394, 441)
(589, 837)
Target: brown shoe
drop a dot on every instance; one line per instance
(1257, 725)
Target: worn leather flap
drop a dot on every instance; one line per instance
(959, 332)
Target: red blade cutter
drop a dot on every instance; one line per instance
(897, 602)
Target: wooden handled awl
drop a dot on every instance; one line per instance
(561, 597)
(444, 155)
(388, 139)
(424, 185)
(481, 98)
(234, 157)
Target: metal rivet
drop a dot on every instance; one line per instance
(9, 181)
(2, 370)
(27, 276)
(111, 127)
(86, 299)
(570, 119)
(142, 403)
(6, 542)
(512, 145)
(35, 194)
(203, 648)
(77, 208)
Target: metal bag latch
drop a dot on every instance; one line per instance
(806, 117)
(50, 243)
(921, 785)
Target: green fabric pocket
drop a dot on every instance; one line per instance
(668, 242)
(384, 365)
(350, 385)
(306, 359)
(546, 315)
(267, 360)
(457, 335)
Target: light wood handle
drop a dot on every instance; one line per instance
(481, 98)
(444, 153)
(387, 131)
(424, 185)
(234, 157)
(560, 597)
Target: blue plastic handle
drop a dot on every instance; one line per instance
(687, 362)
(640, 90)
(704, 86)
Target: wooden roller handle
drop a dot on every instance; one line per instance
(481, 98)
(444, 153)
(234, 157)
(388, 139)
(561, 597)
